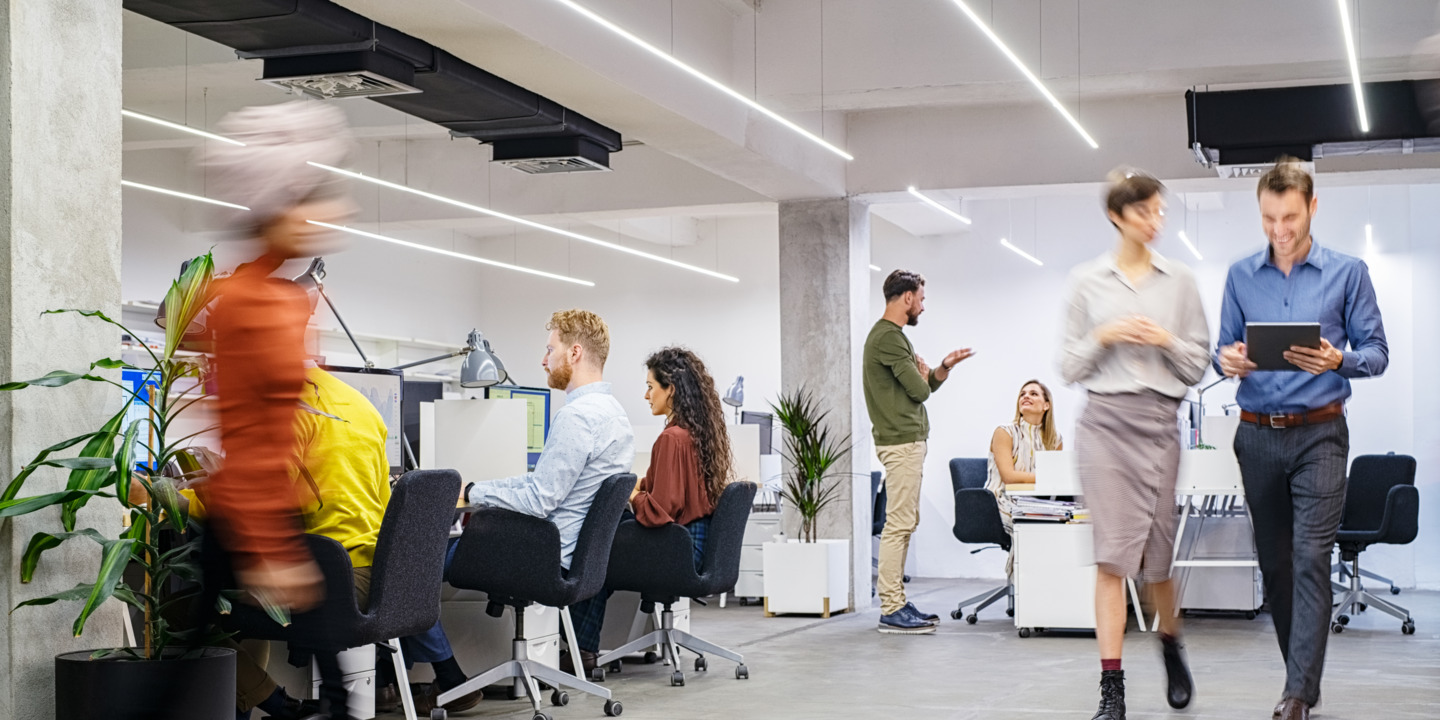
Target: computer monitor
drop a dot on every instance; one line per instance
(539, 404)
(415, 393)
(142, 383)
(384, 388)
(766, 421)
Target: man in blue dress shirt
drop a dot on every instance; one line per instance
(1293, 443)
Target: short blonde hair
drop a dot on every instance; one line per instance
(584, 328)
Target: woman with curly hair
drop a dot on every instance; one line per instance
(690, 465)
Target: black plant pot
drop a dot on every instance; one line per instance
(198, 688)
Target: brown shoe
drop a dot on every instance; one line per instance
(1293, 709)
(387, 699)
(587, 661)
(426, 694)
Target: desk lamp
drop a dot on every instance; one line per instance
(735, 396)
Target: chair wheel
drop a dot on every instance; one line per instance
(743, 673)
(1344, 619)
(1408, 628)
(559, 698)
(1394, 590)
(972, 618)
(540, 716)
(677, 679)
(438, 714)
(615, 666)
(1364, 607)
(955, 614)
(701, 665)
(1010, 612)
(1337, 628)
(1024, 632)
(613, 708)
(597, 674)
(651, 657)
(1249, 614)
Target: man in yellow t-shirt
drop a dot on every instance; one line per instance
(340, 446)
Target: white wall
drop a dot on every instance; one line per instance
(389, 290)
(983, 296)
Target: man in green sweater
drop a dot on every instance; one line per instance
(897, 383)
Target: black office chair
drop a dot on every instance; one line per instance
(515, 560)
(1382, 505)
(404, 583)
(659, 563)
(877, 518)
(977, 521)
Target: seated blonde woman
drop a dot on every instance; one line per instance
(1013, 447)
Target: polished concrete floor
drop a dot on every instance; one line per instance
(806, 667)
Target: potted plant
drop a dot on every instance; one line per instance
(171, 673)
(808, 575)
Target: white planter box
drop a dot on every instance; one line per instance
(809, 578)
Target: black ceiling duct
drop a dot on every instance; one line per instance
(323, 50)
(1253, 127)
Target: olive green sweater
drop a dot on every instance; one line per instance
(895, 391)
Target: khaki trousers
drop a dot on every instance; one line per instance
(904, 465)
(252, 683)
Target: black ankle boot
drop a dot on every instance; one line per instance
(1112, 696)
(1179, 686)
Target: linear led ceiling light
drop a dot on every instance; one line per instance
(874, 268)
(925, 199)
(181, 128)
(1188, 244)
(450, 253)
(1369, 238)
(1020, 252)
(712, 82)
(177, 193)
(1354, 65)
(523, 221)
(1026, 71)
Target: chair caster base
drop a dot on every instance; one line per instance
(1337, 628)
(701, 665)
(955, 614)
(438, 714)
(677, 679)
(743, 673)
(559, 698)
(1408, 628)
(613, 708)
(1024, 632)
(597, 674)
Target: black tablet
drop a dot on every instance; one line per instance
(1267, 343)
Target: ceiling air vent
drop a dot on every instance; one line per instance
(341, 75)
(540, 156)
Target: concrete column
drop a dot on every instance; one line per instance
(59, 248)
(824, 280)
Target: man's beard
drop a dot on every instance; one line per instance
(558, 376)
(914, 318)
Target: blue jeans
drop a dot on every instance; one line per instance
(431, 646)
(589, 615)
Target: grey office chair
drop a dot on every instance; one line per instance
(659, 563)
(515, 560)
(1382, 505)
(977, 521)
(404, 584)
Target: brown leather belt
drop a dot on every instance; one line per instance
(1281, 421)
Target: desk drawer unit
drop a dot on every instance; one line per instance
(760, 528)
(1054, 576)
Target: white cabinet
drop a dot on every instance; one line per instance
(357, 668)
(1054, 576)
(762, 527)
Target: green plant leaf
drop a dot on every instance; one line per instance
(42, 541)
(108, 364)
(80, 464)
(14, 488)
(185, 299)
(53, 379)
(101, 447)
(164, 494)
(112, 566)
(23, 506)
(125, 462)
(79, 592)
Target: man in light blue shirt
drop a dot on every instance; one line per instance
(1293, 443)
(590, 440)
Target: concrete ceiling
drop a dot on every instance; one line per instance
(910, 87)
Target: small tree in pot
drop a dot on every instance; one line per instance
(171, 671)
(812, 575)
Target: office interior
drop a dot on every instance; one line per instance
(777, 159)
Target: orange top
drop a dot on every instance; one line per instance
(259, 325)
(673, 489)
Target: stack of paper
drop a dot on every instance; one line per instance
(1041, 509)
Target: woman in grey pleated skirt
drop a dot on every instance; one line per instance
(1136, 339)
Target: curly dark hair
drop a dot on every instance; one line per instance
(696, 407)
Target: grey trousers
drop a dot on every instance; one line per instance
(1295, 490)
